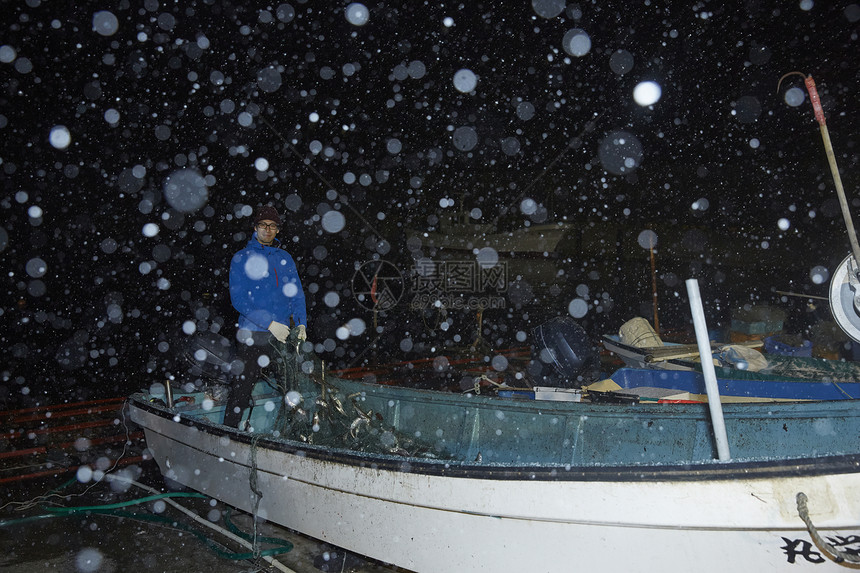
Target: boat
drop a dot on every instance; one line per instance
(675, 356)
(439, 481)
(639, 346)
(779, 368)
(531, 250)
(668, 356)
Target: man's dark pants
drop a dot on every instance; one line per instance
(243, 383)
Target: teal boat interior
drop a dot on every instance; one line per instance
(309, 408)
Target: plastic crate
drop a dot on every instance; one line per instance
(773, 346)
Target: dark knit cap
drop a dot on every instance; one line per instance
(267, 212)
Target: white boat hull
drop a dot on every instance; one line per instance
(432, 522)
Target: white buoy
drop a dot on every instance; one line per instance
(716, 407)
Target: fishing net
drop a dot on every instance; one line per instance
(316, 410)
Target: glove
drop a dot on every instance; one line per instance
(303, 333)
(279, 330)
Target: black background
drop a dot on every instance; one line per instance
(180, 75)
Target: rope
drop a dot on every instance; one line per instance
(476, 388)
(838, 387)
(114, 510)
(254, 488)
(171, 523)
(25, 505)
(827, 549)
(203, 521)
(263, 539)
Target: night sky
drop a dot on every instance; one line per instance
(138, 137)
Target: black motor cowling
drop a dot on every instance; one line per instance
(209, 356)
(563, 354)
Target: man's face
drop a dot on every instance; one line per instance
(266, 231)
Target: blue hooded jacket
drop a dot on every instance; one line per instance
(265, 286)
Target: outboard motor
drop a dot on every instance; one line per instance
(563, 355)
(210, 358)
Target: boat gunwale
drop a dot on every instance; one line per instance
(697, 471)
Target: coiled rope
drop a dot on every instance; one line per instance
(827, 549)
(256, 490)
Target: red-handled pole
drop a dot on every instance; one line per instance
(816, 101)
(831, 159)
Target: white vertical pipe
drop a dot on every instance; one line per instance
(716, 407)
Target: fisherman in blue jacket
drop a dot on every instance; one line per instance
(266, 291)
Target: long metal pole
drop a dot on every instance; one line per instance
(168, 393)
(654, 291)
(834, 169)
(714, 404)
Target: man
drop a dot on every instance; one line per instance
(266, 290)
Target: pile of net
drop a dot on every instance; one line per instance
(317, 411)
